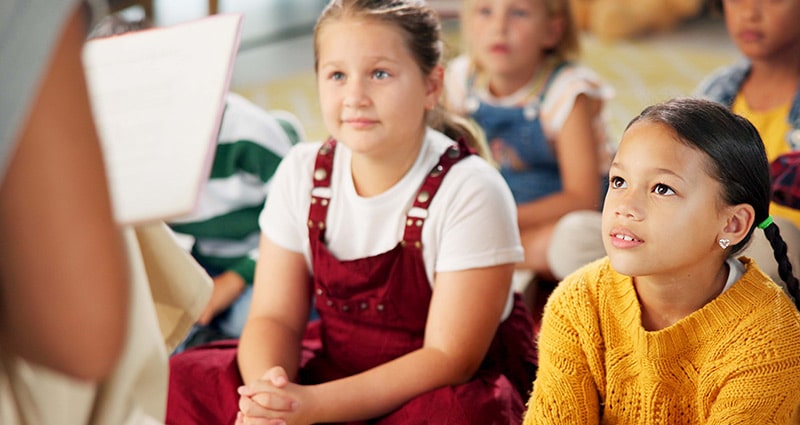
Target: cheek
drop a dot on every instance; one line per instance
(328, 101)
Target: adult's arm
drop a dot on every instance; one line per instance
(63, 276)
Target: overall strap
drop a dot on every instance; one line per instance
(557, 68)
(415, 218)
(321, 192)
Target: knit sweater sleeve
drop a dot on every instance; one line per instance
(758, 380)
(566, 390)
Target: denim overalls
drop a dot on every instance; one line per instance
(525, 156)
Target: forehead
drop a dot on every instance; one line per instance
(357, 36)
(550, 5)
(508, 2)
(657, 145)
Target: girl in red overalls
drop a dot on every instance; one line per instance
(405, 241)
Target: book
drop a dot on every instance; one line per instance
(157, 97)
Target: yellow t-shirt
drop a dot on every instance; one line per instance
(773, 128)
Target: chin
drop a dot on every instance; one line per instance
(626, 265)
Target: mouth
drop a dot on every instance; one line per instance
(750, 35)
(625, 239)
(359, 122)
(499, 48)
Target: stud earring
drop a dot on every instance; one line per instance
(723, 243)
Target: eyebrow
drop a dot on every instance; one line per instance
(659, 171)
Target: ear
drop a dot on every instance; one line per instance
(739, 221)
(556, 25)
(434, 86)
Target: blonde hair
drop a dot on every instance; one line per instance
(567, 48)
(421, 29)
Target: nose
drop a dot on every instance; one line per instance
(626, 204)
(750, 9)
(355, 94)
(498, 23)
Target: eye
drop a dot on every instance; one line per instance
(662, 189)
(336, 76)
(617, 182)
(484, 11)
(380, 74)
(518, 13)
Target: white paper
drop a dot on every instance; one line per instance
(158, 96)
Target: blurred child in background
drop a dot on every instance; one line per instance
(541, 113)
(224, 228)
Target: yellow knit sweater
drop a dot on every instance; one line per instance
(734, 361)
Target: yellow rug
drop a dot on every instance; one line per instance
(642, 71)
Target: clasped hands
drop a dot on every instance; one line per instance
(274, 400)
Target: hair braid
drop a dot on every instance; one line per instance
(779, 249)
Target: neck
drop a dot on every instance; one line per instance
(664, 300)
(772, 82)
(506, 84)
(373, 175)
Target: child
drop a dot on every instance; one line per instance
(672, 327)
(405, 240)
(540, 111)
(765, 89)
(225, 229)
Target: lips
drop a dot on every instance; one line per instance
(359, 122)
(750, 35)
(622, 238)
(499, 48)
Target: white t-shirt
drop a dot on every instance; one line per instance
(471, 221)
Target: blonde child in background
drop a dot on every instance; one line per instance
(406, 241)
(224, 231)
(541, 112)
(672, 327)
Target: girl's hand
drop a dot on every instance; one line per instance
(273, 400)
(264, 401)
(241, 420)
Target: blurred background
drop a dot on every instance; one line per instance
(274, 67)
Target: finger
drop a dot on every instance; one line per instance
(273, 401)
(267, 395)
(276, 376)
(263, 421)
(259, 386)
(249, 408)
(265, 404)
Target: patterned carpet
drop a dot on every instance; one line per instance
(642, 71)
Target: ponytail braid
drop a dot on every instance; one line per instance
(779, 249)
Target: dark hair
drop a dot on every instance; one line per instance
(421, 29)
(737, 159)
